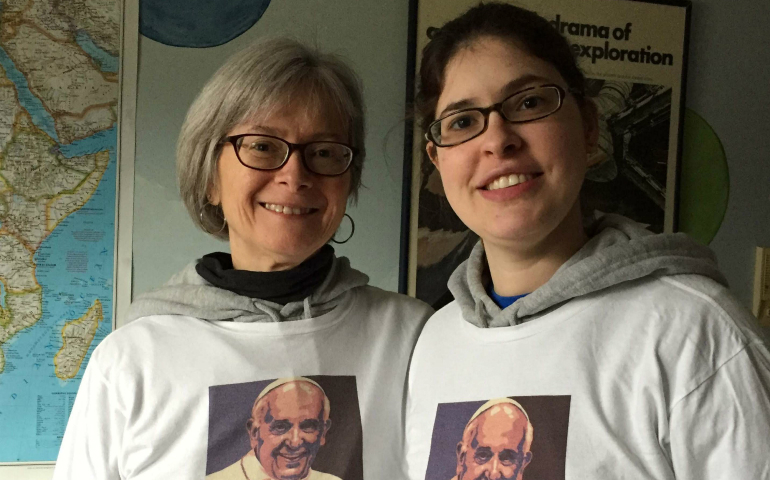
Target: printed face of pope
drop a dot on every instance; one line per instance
(289, 429)
(494, 446)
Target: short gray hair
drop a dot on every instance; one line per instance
(256, 81)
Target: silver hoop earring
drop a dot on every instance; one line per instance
(352, 231)
(224, 224)
(224, 220)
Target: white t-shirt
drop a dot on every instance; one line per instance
(169, 396)
(658, 378)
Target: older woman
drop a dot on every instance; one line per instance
(277, 361)
(596, 353)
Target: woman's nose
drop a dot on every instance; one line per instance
(294, 174)
(501, 137)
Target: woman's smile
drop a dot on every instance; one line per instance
(505, 181)
(508, 187)
(288, 210)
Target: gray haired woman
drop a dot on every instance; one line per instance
(276, 361)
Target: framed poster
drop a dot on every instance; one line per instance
(634, 56)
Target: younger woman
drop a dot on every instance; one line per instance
(603, 352)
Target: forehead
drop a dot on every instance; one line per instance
(299, 116)
(295, 400)
(490, 67)
(303, 105)
(501, 427)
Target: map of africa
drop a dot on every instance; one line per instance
(58, 140)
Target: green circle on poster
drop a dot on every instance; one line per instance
(704, 185)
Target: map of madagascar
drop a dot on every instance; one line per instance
(58, 123)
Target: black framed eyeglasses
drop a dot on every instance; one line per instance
(266, 152)
(523, 106)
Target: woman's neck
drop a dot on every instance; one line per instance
(246, 257)
(521, 269)
(276, 286)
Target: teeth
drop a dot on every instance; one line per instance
(285, 210)
(509, 181)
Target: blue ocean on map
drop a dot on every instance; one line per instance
(29, 385)
(107, 63)
(40, 117)
(74, 269)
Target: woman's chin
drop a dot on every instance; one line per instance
(276, 255)
(512, 229)
(295, 254)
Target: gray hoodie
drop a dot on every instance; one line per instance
(187, 293)
(619, 250)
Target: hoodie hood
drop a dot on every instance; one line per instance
(187, 293)
(619, 250)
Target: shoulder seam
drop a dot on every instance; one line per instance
(720, 311)
(705, 380)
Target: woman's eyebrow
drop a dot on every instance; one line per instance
(458, 105)
(524, 81)
(509, 88)
(265, 129)
(330, 136)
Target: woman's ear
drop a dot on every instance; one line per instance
(430, 148)
(212, 195)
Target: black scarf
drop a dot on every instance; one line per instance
(281, 287)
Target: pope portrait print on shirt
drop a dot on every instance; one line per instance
(292, 428)
(509, 438)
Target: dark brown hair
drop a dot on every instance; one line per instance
(500, 20)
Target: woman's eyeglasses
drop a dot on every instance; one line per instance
(265, 152)
(525, 106)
